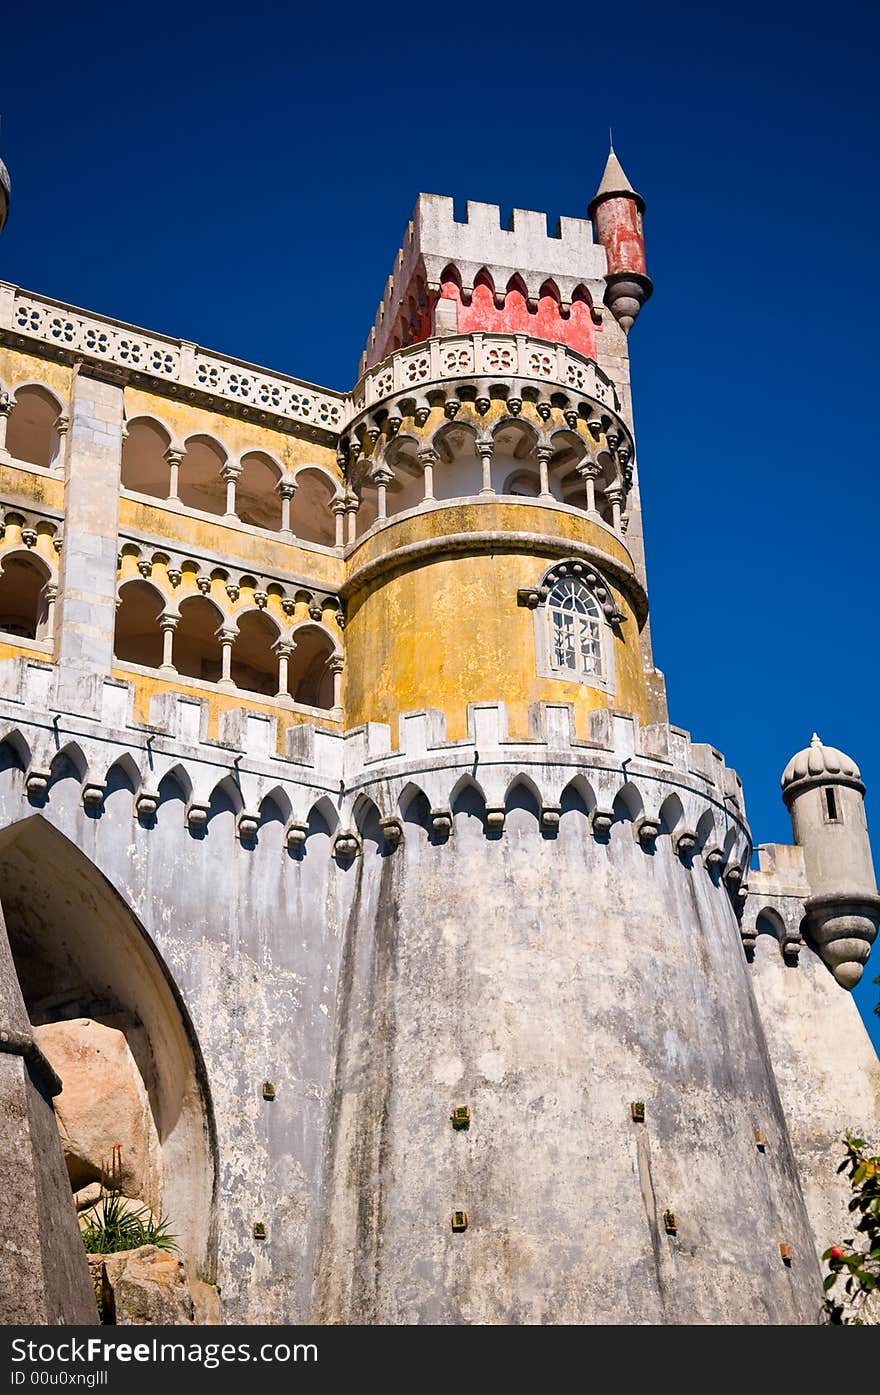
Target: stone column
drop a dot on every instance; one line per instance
(6, 405)
(381, 477)
(338, 508)
(615, 499)
(87, 594)
(287, 489)
(589, 473)
(283, 648)
(175, 459)
(227, 636)
(486, 450)
(168, 624)
(230, 473)
(352, 510)
(335, 666)
(50, 591)
(427, 458)
(544, 454)
(62, 426)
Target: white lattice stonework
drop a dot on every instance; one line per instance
(172, 361)
(468, 355)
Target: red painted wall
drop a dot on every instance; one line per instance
(576, 328)
(618, 225)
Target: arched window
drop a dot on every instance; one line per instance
(574, 625)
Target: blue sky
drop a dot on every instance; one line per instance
(241, 177)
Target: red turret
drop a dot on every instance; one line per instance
(616, 211)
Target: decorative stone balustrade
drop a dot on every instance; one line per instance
(415, 369)
(185, 369)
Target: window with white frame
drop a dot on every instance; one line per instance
(574, 630)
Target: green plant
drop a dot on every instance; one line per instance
(860, 1264)
(112, 1227)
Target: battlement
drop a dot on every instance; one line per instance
(435, 239)
(654, 776)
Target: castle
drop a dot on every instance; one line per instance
(345, 838)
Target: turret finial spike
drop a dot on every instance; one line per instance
(816, 740)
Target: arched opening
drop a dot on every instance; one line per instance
(32, 433)
(468, 807)
(524, 483)
(257, 500)
(569, 451)
(310, 515)
(197, 652)
(513, 455)
(138, 639)
(91, 978)
(201, 485)
(309, 680)
(24, 609)
(458, 473)
(145, 469)
(254, 663)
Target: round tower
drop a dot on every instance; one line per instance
(616, 211)
(824, 793)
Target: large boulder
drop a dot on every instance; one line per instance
(103, 1103)
(142, 1287)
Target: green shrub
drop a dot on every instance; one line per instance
(112, 1228)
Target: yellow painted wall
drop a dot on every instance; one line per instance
(253, 550)
(146, 687)
(17, 366)
(446, 631)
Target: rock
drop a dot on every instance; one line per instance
(103, 1103)
(147, 1286)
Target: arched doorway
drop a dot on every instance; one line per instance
(81, 953)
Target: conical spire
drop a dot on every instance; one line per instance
(614, 184)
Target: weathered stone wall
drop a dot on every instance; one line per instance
(541, 931)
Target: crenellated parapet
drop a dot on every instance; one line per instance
(443, 261)
(653, 779)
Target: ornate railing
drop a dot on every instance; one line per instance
(415, 369)
(170, 361)
(75, 334)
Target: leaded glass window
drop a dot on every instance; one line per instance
(575, 629)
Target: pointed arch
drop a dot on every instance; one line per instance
(225, 799)
(15, 751)
(523, 793)
(174, 787)
(414, 807)
(323, 817)
(705, 829)
(671, 813)
(468, 805)
(367, 822)
(123, 776)
(577, 798)
(68, 763)
(274, 805)
(628, 804)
